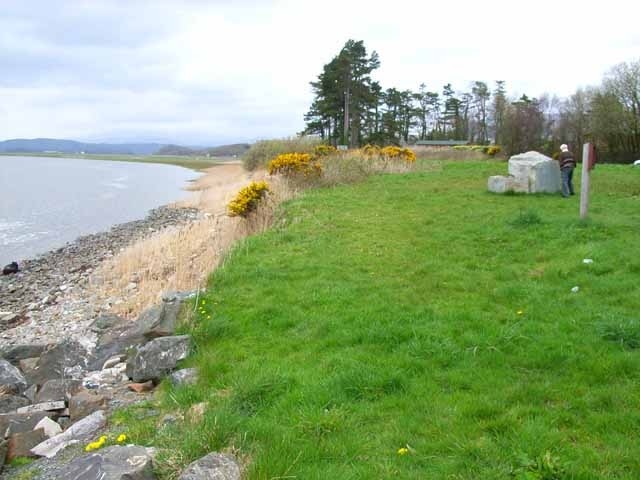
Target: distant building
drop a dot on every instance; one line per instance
(441, 143)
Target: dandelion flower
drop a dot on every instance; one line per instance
(403, 451)
(121, 438)
(520, 312)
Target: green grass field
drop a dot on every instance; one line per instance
(420, 312)
(194, 163)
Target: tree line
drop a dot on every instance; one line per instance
(351, 108)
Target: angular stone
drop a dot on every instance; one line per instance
(141, 387)
(31, 393)
(87, 426)
(4, 446)
(11, 379)
(215, 466)
(501, 184)
(27, 366)
(113, 344)
(20, 444)
(10, 403)
(15, 353)
(158, 321)
(113, 361)
(51, 428)
(85, 403)
(57, 359)
(11, 423)
(107, 321)
(534, 172)
(58, 390)
(112, 463)
(158, 357)
(186, 376)
(42, 407)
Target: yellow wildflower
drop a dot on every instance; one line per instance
(121, 438)
(403, 451)
(520, 312)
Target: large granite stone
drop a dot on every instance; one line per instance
(15, 353)
(20, 444)
(215, 466)
(11, 379)
(58, 360)
(11, 423)
(530, 172)
(79, 430)
(10, 403)
(535, 173)
(84, 403)
(58, 390)
(155, 359)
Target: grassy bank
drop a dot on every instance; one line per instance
(194, 163)
(415, 326)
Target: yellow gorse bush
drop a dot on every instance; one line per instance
(247, 199)
(370, 150)
(394, 152)
(324, 150)
(292, 164)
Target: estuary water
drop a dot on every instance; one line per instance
(47, 202)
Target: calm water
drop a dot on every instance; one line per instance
(46, 202)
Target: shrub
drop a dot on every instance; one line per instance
(263, 151)
(370, 150)
(324, 150)
(247, 199)
(295, 165)
(393, 152)
(492, 150)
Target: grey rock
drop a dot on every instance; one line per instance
(535, 173)
(13, 354)
(79, 430)
(158, 357)
(112, 463)
(11, 379)
(186, 376)
(42, 407)
(10, 403)
(11, 423)
(58, 390)
(113, 361)
(178, 296)
(107, 321)
(215, 466)
(158, 321)
(51, 428)
(31, 393)
(501, 184)
(4, 446)
(57, 359)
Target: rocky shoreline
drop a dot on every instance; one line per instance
(49, 297)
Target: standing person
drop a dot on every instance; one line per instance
(567, 164)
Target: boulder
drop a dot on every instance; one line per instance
(159, 320)
(81, 429)
(58, 361)
(10, 403)
(215, 466)
(31, 393)
(20, 444)
(11, 379)
(11, 423)
(15, 353)
(85, 403)
(112, 463)
(10, 268)
(155, 359)
(501, 184)
(530, 172)
(535, 173)
(51, 428)
(58, 390)
(636, 163)
(107, 321)
(186, 376)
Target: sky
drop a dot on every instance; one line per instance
(198, 72)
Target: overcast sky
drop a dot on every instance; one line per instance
(210, 72)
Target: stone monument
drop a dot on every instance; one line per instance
(530, 172)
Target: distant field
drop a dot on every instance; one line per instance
(195, 163)
(417, 327)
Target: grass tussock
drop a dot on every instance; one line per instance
(263, 151)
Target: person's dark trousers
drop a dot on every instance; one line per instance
(567, 181)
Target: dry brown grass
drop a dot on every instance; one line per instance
(182, 258)
(448, 153)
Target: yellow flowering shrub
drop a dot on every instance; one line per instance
(324, 150)
(370, 150)
(292, 164)
(247, 199)
(492, 150)
(393, 152)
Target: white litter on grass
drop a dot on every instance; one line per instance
(587, 260)
(575, 289)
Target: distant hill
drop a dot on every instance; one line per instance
(53, 145)
(221, 151)
(39, 145)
